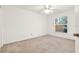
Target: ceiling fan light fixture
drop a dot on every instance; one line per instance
(48, 11)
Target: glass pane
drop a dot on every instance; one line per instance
(61, 20)
(61, 28)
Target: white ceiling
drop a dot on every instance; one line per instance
(40, 8)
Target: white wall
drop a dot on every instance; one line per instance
(22, 24)
(1, 27)
(71, 24)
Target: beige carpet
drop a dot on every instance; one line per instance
(44, 44)
(0, 49)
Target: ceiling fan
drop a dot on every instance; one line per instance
(49, 9)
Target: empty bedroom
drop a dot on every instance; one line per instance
(39, 28)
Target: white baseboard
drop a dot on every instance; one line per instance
(62, 35)
(26, 38)
(29, 37)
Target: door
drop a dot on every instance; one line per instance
(77, 29)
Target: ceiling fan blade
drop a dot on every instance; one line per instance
(52, 8)
(49, 7)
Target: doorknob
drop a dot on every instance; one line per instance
(76, 34)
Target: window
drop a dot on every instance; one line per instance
(61, 24)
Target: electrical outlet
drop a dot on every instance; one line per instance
(32, 34)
